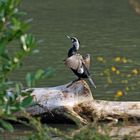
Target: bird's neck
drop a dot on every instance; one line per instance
(72, 51)
(75, 45)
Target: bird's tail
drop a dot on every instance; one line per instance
(91, 82)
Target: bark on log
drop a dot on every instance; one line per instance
(75, 103)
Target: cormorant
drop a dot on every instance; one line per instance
(77, 63)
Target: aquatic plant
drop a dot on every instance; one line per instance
(117, 73)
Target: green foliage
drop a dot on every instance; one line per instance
(6, 126)
(26, 101)
(14, 34)
(90, 133)
(32, 78)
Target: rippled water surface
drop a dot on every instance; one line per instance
(107, 29)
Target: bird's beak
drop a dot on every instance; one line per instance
(68, 36)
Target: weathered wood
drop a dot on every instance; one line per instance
(56, 103)
(109, 110)
(75, 102)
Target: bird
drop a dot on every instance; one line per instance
(77, 63)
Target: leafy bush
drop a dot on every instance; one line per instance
(14, 33)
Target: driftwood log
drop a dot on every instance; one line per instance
(75, 103)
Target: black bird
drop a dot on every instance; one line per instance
(78, 64)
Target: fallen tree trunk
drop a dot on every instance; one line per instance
(75, 103)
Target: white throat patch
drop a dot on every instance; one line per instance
(76, 44)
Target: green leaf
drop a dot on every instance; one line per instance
(16, 24)
(2, 47)
(6, 125)
(29, 79)
(15, 108)
(39, 74)
(30, 41)
(5, 56)
(49, 72)
(27, 101)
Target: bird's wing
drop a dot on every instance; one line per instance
(86, 61)
(74, 62)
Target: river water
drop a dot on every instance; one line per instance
(107, 29)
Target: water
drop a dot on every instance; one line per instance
(22, 132)
(105, 28)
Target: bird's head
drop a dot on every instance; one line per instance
(75, 42)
